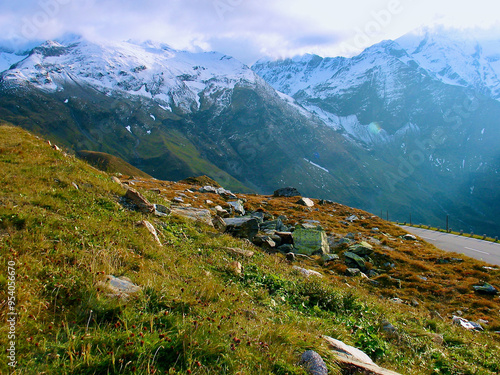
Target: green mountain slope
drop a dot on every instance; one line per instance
(109, 163)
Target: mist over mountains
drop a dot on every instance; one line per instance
(408, 126)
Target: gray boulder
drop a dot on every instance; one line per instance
(313, 363)
(243, 227)
(305, 202)
(355, 259)
(361, 249)
(310, 241)
(195, 214)
(287, 192)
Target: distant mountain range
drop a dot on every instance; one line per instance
(408, 126)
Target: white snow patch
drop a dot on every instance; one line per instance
(153, 117)
(165, 108)
(66, 101)
(149, 132)
(317, 166)
(128, 128)
(482, 131)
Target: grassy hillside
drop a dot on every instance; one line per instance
(64, 228)
(110, 164)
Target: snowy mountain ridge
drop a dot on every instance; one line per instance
(173, 78)
(453, 58)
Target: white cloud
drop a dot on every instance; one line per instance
(246, 29)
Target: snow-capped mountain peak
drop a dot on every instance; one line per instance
(154, 70)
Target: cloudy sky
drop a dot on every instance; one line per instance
(245, 29)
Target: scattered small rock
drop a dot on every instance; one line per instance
(353, 272)
(242, 252)
(138, 199)
(237, 206)
(352, 218)
(221, 212)
(151, 229)
(121, 287)
(116, 180)
(389, 328)
(397, 300)
(305, 202)
(348, 351)
(485, 289)
(235, 267)
(307, 272)
(409, 237)
(467, 324)
(195, 214)
(290, 257)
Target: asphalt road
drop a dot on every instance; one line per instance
(488, 252)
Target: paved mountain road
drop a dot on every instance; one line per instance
(488, 252)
